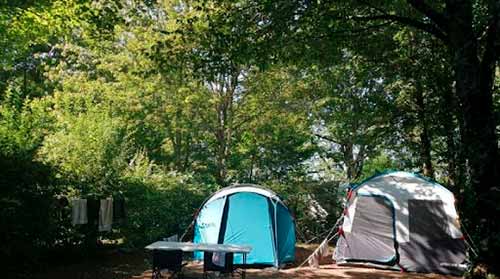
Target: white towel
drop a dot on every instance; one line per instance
(219, 259)
(106, 215)
(320, 252)
(323, 248)
(79, 212)
(173, 238)
(314, 260)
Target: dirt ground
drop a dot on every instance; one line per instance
(325, 271)
(119, 265)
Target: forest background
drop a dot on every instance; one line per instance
(164, 102)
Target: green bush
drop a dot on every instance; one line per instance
(159, 203)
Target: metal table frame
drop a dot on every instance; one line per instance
(208, 247)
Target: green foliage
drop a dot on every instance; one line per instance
(90, 150)
(354, 114)
(377, 164)
(275, 128)
(128, 112)
(160, 203)
(26, 188)
(316, 207)
(163, 102)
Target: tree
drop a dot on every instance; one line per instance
(274, 136)
(419, 75)
(222, 59)
(469, 29)
(353, 113)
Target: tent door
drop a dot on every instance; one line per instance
(208, 224)
(249, 222)
(373, 235)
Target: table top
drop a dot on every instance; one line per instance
(191, 247)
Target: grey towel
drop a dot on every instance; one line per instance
(93, 208)
(118, 209)
(106, 215)
(79, 212)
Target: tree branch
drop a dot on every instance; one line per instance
(325, 138)
(438, 18)
(426, 27)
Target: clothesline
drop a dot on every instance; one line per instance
(322, 248)
(101, 212)
(319, 250)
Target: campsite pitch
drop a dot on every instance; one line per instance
(325, 271)
(113, 264)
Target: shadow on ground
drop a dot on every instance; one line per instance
(119, 265)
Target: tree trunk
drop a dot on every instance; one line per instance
(354, 163)
(221, 136)
(224, 90)
(425, 141)
(348, 160)
(474, 89)
(452, 148)
(480, 144)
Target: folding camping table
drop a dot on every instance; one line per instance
(203, 247)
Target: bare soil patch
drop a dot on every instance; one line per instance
(114, 264)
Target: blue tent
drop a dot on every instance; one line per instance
(248, 215)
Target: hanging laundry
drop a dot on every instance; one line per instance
(172, 238)
(106, 215)
(314, 260)
(93, 206)
(118, 209)
(219, 259)
(323, 248)
(61, 202)
(79, 212)
(320, 252)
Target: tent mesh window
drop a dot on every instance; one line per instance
(428, 220)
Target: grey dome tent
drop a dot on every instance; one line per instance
(403, 221)
(248, 214)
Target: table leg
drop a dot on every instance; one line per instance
(244, 272)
